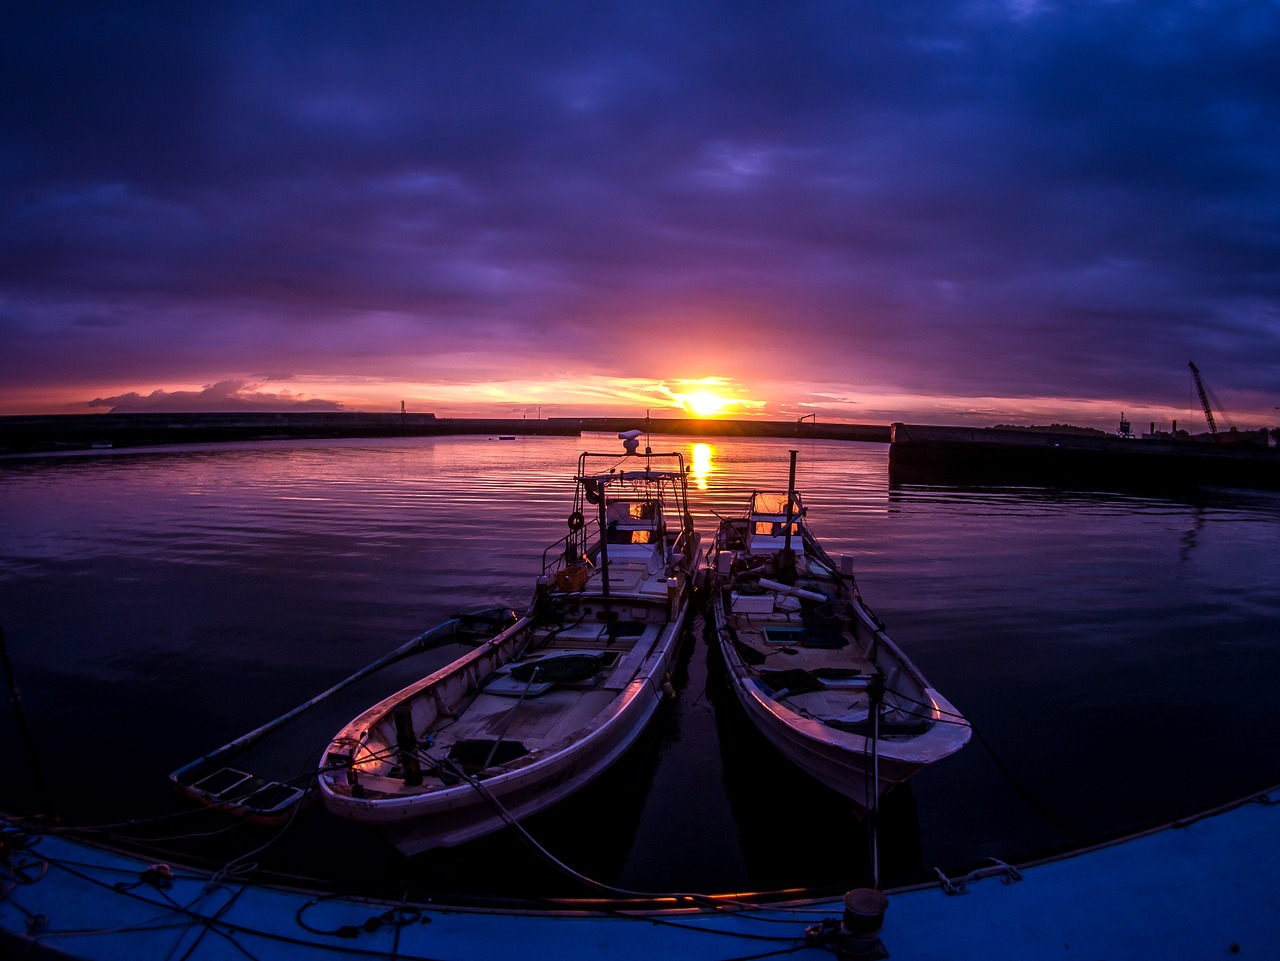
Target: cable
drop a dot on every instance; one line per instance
(223, 927)
(717, 903)
(1056, 820)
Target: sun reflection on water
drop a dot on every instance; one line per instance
(701, 466)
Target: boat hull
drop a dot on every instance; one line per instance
(471, 810)
(843, 702)
(860, 768)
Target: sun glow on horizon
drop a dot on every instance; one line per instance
(707, 396)
(597, 395)
(705, 404)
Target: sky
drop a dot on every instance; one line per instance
(935, 212)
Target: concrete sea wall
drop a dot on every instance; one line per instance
(59, 432)
(920, 454)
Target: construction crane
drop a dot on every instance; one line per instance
(1205, 393)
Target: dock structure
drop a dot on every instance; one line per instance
(997, 456)
(1203, 887)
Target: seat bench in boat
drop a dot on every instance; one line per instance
(618, 662)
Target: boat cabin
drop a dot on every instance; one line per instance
(633, 522)
(767, 528)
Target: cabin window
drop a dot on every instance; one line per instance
(771, 503)
(622, 536)
(631, 522)
(776, 529)
(629, 512)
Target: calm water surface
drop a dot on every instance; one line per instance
(1116, 654)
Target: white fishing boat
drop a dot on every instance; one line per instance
(548, 704)
(811, 663)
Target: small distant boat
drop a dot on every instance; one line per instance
(536, 712)
(811, 663)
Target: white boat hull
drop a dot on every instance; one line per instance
(860, 768)
(843, 703)
(467, 811)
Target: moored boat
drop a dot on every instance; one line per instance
(811, 663)
(220, 780)
(546, 705)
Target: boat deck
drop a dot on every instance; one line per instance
(633, 569)
(533, 705)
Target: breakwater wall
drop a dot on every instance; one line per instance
(57, 432)
(921, 454)
(62, 432)
(870, 433)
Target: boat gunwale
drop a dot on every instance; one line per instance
(945, 717)
(614, 710)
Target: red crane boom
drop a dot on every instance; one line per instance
(1204, 399)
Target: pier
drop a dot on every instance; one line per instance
(920, 454)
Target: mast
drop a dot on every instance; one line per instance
(787, 557)
(604, 543)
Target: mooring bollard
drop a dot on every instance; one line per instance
(859, 935)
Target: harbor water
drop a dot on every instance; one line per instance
(1115, 653)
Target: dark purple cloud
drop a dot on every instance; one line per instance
(971, 199)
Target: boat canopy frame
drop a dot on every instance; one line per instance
(634, 497)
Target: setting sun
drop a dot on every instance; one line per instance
(705, 403)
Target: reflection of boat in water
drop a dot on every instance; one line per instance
(811, 663)
(536, 712)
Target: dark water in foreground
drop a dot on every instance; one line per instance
(1116, 654)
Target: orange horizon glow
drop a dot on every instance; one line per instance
(594, 395)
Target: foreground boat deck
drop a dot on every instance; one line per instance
(1201, 888)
